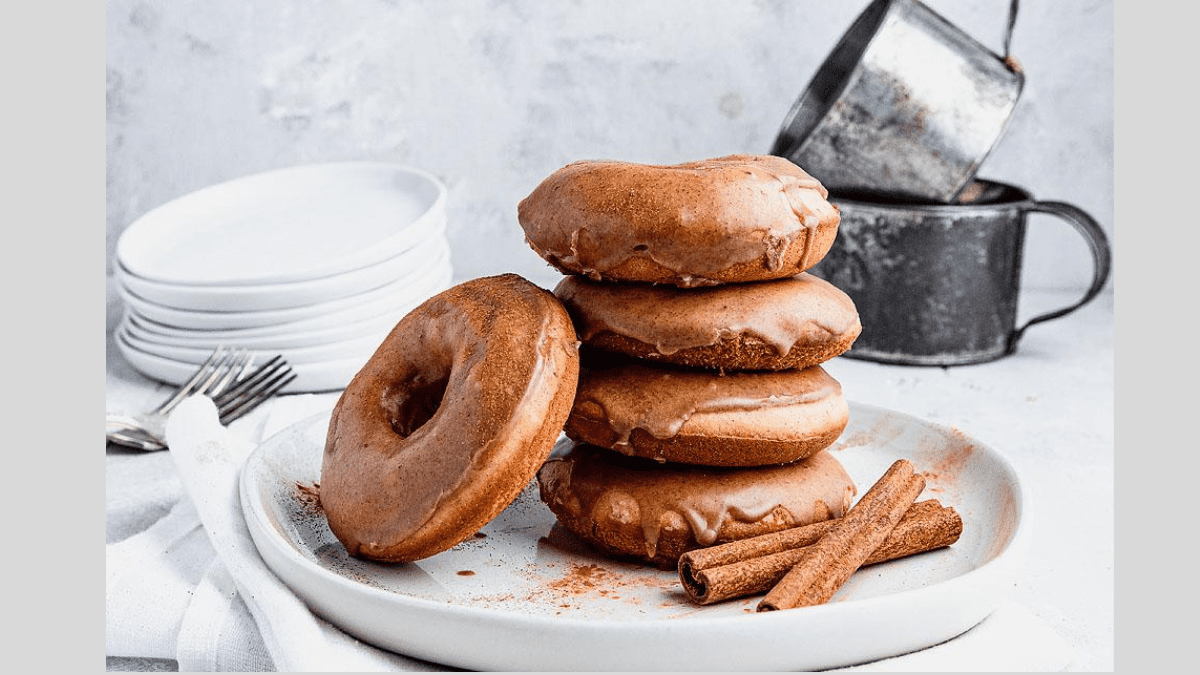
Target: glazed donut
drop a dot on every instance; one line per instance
(731, 219)
(767, 325)
(706, 417)
(449, 419)
(634, 507)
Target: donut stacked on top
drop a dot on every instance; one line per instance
(702, 412)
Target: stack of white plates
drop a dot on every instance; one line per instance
(316, 263)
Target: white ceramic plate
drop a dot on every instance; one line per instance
(529, 596)
(289, 295)
(137, 327)
(351, 348)
(392, 293)
(311, 321)
(310, 377)
(285, 226)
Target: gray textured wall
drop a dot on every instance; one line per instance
(492, 95)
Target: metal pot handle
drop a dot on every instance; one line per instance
(1012, 23)
(1101, 259)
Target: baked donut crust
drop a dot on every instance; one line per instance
(449, 419)
(729, 219)
(781, 324)
(634, 507)
(703, 417)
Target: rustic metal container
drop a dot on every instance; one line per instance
(938, 284)
(905, 106)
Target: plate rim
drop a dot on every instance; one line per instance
(136, 324)
(394, 293)
(424, 256)
(335, 350)
(355, 313)
(377, 251)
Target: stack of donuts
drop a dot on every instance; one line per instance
(702, 412)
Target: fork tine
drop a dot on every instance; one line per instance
(265, 383)
(269, 391)
(225, 377)
(260, 374)
(250, 402)
(230, 368)
(252, 385)
(187, 388)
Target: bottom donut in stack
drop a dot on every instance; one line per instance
(632, 507)
(701, 415)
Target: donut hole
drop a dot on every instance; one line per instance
(411, 406)
(641, 248)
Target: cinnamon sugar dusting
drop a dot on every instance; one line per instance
(857, 440)
(581, 579)
(580, 584)
(953, 461)
(950, 465)
(309, 495)
(592, 581)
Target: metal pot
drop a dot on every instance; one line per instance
(906, 106)
(938, 284)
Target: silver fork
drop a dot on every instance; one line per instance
(225, 377)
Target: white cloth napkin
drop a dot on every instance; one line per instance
(192, 587)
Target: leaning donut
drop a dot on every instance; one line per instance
(731, 219)
(768, 325)
(449, 420)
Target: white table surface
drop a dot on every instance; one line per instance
(1050, 407)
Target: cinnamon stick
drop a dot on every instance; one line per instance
(754, 565)
(826, 565)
